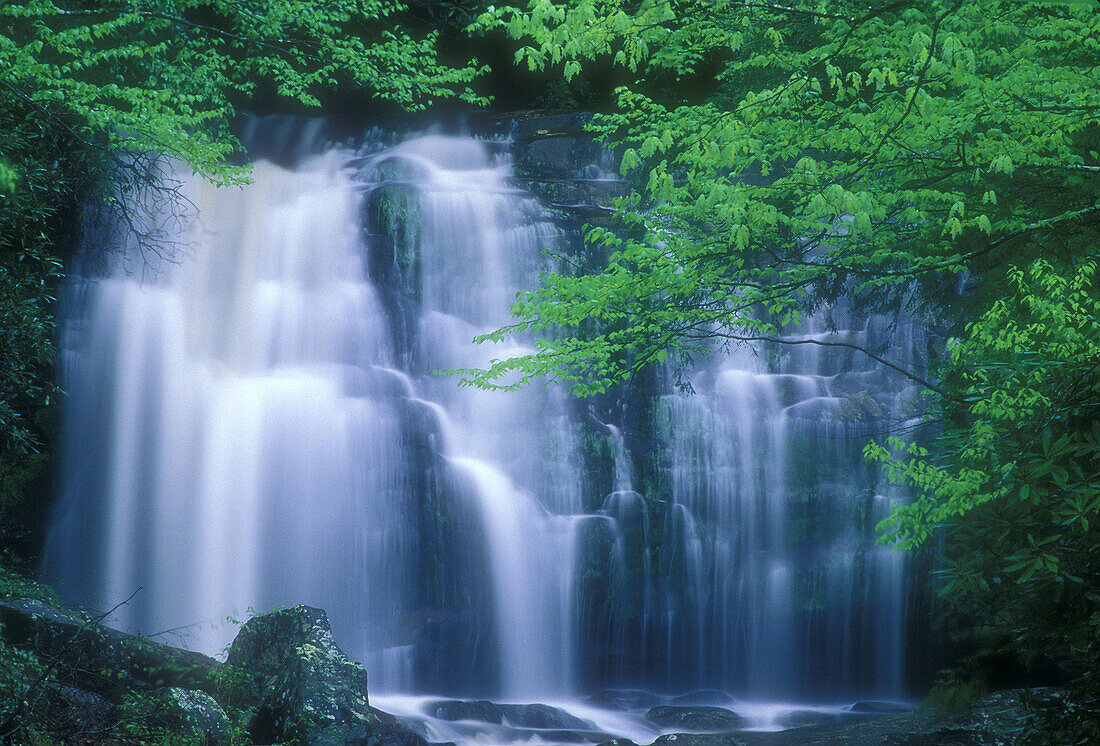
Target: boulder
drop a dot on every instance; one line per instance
(391, 731)
(624, 699)
(82, 648)
(696, 719)
(72, 713)
(390, 734)
(703, 697)
(306, 688)
(456, 709)
(543, 716)
(165, 715)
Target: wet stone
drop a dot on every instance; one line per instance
(695, 718)
(698, 739)
(306, 687)
(624, 699)
(543, 716)
(455, 709)
(703, 697)
(879, 708)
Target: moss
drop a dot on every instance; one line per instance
(954, 693)
(14, 584)
(393, 212)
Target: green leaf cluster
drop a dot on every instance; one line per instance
(843, 150)
(1024, 427)
(167, 76)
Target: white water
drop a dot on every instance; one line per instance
(257, 425)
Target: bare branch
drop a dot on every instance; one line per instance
(849, 345)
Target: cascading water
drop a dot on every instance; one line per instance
(257, 424)
(799, 602)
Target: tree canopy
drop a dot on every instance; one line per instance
(837, 150)
(168, 76)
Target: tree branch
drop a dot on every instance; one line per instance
(849, 345)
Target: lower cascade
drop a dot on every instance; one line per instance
(254, 421)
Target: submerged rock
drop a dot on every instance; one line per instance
(996, 720)
(801, 718)
(536, 716)
(308, 691)
(457, 709)
(703, 697)
(624, 699)
(544, 716)
(714, 719)
(567, 736)
(879, 708)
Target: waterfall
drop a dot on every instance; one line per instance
(254, 420)
(803, 602)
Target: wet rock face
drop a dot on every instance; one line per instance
(565, 166)
(624, 699)
(543, 716)
(703, 697)
(714, 719)
(308, 691)
(534, 716)
(453, 709)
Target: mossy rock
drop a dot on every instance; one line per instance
(392, 221)
(713, 719)
(306, 688)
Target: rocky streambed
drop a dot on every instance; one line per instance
(70, 678)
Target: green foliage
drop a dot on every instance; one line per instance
(16, 585)
(8, 179)
(1024, 428)
(954, 693)
(20, 670)
(167, 76)
(149, 717)
(808, 151)
(36, 217)
(841, 151)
